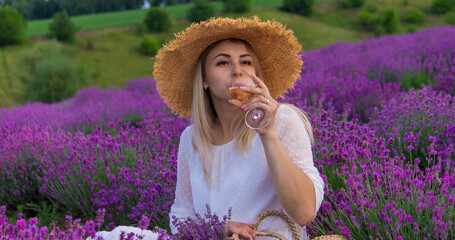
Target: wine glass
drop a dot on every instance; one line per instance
(257, 117)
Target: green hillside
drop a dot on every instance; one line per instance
(109, 52)
(110, 68)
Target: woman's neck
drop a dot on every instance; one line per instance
(222, 127)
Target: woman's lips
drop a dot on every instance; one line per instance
(242, 84)
(238, 84)
(242, 81)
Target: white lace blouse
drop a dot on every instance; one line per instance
(243, 183)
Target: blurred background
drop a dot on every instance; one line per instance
(51, 49)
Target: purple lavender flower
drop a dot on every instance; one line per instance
(144, 223)
(207, 227)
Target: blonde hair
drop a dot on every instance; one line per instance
(203, 114)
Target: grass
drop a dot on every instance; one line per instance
(115, 58)
(10, 86)
(333, 15)
(306, 29)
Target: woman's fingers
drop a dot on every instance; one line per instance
(261, 96)
(236, 103)
(257, 100)
(258, 81)
(255, 90)
(249, 234)
(261, 99)
(242, 229)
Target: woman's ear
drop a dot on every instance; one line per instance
(205, 85)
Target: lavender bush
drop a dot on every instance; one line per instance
(389, 200)
(82, 173)
(208, 227)
(398, 62)
(370, 194)
(445, 81)
(418, 125)
(92, 108)
(29, 229)
(431, 50)
(353, 94)
(71, 229)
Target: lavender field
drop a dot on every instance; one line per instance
(383, 113)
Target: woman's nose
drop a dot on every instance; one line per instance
(237, 70)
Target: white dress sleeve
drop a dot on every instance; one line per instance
(296, 141)
(183, 203)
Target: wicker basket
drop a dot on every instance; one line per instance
(291, 224)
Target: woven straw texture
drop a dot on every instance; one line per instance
(291, 224)
(276, 47)
(330, 237)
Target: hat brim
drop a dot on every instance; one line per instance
(276, 47)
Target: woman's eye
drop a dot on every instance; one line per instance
(247, 62)
(222, 62)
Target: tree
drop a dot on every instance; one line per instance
(442, 6)
(389, 20)
(42, 9)
(302, 7)
(157, 3)
(157, 20)
(352, 3)
(131, 4)
(414, 15)
(50, 75)
(201, 11)
(12, 26)
(69, 6)
(22, 6)
(62, 28)
(149, 46)
(236, 6)
(368, 20)
(39, 9)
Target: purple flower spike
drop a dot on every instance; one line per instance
(144, 222)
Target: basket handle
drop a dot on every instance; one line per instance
(265, 214)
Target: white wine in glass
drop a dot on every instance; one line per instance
(257, 117)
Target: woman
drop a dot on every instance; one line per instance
(222, 162)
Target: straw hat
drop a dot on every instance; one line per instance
(276, 47)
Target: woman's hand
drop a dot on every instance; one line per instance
(262, 98)
(242, 229)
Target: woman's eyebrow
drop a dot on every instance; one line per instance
(245, 55)
(222, 55)
(227, 55)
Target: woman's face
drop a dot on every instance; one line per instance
(223, 68)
